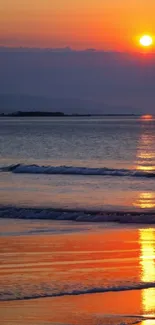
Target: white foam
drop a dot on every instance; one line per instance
(71, 170)
(6, 296)
(76, 215)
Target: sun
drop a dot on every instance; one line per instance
(146, 40)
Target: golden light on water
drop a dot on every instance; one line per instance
(146, 200)
(146, 168)
(147, 117)
(146, 155)
(145, 162)
(146, 146)
(146, 152)
(147, 261)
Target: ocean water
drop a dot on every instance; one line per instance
(56, 173)
(87, 163)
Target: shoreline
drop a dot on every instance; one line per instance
(88, 292)
(116, 308)
(45, 277)
(77, 215)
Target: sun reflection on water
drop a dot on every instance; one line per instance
(146, 151)
(146, 200)
(147, 117)
(145, 161)
(147, 261)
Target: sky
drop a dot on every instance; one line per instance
(118, 79)
(119, 73)
(112, 25)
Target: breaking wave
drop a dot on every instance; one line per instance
(71, 170)
(76, 215)
(6, 296)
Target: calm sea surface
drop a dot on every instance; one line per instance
(94, 143)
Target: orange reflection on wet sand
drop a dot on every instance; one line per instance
(147, 261)
(66, 262)
(148, 322)
(97, 258)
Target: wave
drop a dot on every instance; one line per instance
(7, 296)
(76, 215)
(71, 170)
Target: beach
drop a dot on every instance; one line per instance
(77, 221)
(67, 273)
(106, 309)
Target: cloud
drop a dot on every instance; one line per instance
(110, 77)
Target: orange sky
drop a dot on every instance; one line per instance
(101, 24)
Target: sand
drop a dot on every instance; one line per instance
(92, 309)
(69, 257)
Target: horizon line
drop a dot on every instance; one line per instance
(68, 49)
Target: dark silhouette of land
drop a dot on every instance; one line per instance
(54, 114)
(35, 113)
(27, 105)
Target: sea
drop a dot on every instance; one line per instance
(87, 163)
(77, 215)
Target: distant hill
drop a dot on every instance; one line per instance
(33, 113)
(12, 103)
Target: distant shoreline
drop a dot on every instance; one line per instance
(56, 114)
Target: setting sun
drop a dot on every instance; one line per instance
(146, 40)
(147, 117)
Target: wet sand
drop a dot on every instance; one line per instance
(107, 308)
(43, 258)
